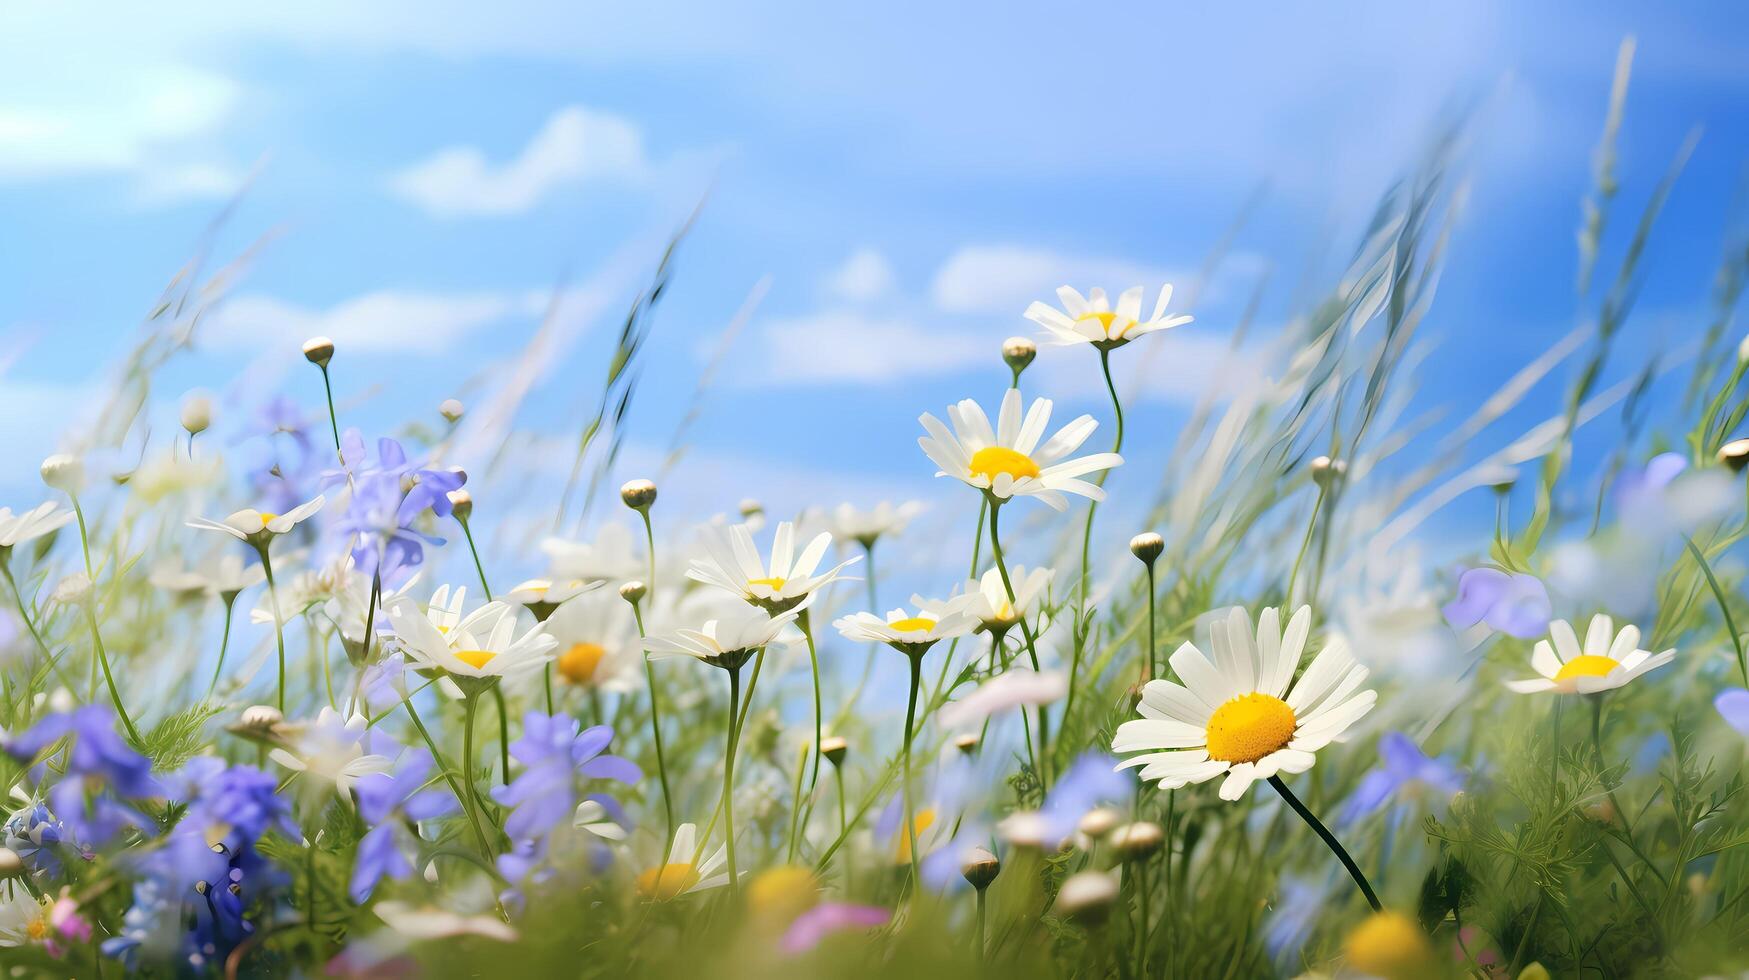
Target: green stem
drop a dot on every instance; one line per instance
(814, 663)
(470, 706)
(461, 796)
(1724, 607)
(1329, 840)
(278, 625)
(1025, 629)
(1305, 546)
(333, 419)
(503, 733)
(910, 815)
(224, 644)
(29, 620)
(656, 732)
(96, 634)
(729, 777)
(1099, 479)
(1154, 668)
(982, 955)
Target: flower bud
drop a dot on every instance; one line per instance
(1138, 841)
(451, 410)
(834, 748)
(1086, 897)
(633, 592)
(63, 472)
(751, 508)
(197, 414)
(461, 503)
(11, 865)
(1326, 471)
(1099, 822)
(638, 494)
(1018, 352)
(980, 867)
(967, 743)
(1743, 349)
(319, 351)
(1735, 454)
(261, 716)
(1147, 546)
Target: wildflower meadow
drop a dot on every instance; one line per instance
(292, 692)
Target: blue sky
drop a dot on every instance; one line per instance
(904, 177)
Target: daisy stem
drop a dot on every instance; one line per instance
(656, 731)
(278, 626)
(910, 815)
(995, 507)
(843, 825)
(1724, 607)
(91, 617)
(497, 690)
(1154, 668)
(29, 620)
(333, 418)
(470, 706)
(1099, 479)
(982, 955)
(814, 663)
(1329, 840)
(224, 643)
(729, 776)
(461, 796)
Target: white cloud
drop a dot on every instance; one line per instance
(385, 320)
(1180, 366)
(864, 276)
(134, 121)
(848, 346)
(1003, 279)
(575, 145)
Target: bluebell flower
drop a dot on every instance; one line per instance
(389, 494)
(101, 773)
(557, 756)
(385, 802)
(1403, 767)
(1514, 604)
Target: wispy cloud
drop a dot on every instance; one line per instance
(385, 320)
(864, 276)
(1003, 279)
(576, 145)
(849, 346)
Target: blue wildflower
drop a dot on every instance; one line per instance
(36, 836)
(385, 801)
(101, 771)
(557, 755)
(1514, 604)
(1404, 767)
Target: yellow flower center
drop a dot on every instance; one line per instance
(668, 881)
(780, 894)
(1390, 945)
(1249, 727)
(924, 820)
(774, 583)
(578, 664)
(992, 460)
(1105, 321)
(265, 517)
(476, 659)
(38, 929)
(1586, 665)
(916, 624)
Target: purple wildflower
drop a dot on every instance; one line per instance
(1733, 706)
(101, 771)
(385, 801)
(557, 755)
(1514, 604)
(1403, 767)
(822, 920)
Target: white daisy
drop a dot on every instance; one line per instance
(544, 595)
(331, 749)
(431, 922)
(34, 523)
(986, 598)
(687, 870)
(1008, 461)
(785, 583)
(256, 526)
(215, 575)
(727, 641)
(481, 645)
(868, 526)
(1607, 660)
(598, 644)
(1237, 716)
(1091, 319)
(909, 634)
